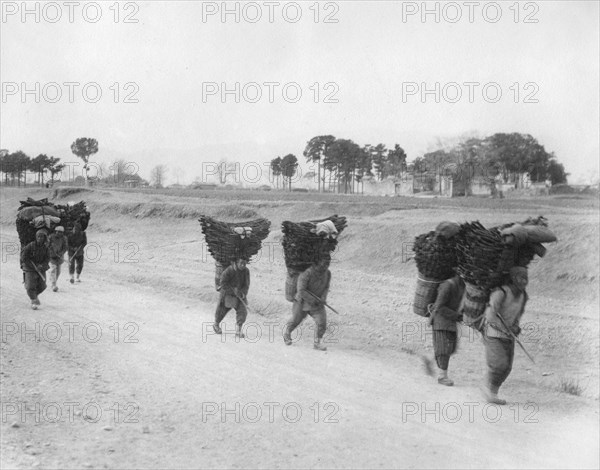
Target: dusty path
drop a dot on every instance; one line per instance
(179, 399)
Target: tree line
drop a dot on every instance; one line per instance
(48, 169)
(17, 164)
(342, 165)
(499, 157)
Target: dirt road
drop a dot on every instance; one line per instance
(109, 374)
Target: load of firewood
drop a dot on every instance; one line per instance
(75, 213)
(305, 243)
(479, 252)
(482, 257)
(486, 256)
(34, 215)
(435, 257)
(230, 241)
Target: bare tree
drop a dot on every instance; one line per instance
(179, 173)
(158, 174)
(103, 170)
(117, 173)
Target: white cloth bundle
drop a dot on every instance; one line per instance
(45, 220)
(243, 231)
(327, 227)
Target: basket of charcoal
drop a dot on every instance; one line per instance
(435, 257)
(307, 242)
(230, 241)
(486, 256)
(34, 215)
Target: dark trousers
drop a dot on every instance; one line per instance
(499, 355)
(73, 261)
(34, 284)
(298, 315)
(240, 310)
(444, 345)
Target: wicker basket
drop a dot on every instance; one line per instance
(425, 294)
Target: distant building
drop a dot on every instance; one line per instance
(391, 186)
(372, 187)
(450, 186)
(132, 183)
(480, 186)
(405, 186)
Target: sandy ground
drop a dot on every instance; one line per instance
(123, 371)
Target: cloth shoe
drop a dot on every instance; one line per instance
(443, 378)
(319, 345)
(445, 381)
(287, 339)
(217, 328)
(491, 396)
(238, 332)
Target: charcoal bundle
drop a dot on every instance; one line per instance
(34, 203)
(75, 213)
(305, 243)
(486, 256)
(308, 242)
(479, 254)
(26, 232)
(228, 241)
(435, 256)
(33, 215)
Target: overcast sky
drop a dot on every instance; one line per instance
(366, 71)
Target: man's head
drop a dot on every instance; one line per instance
(40, 237)
(239, 264)
(60, 230)
(518, 276)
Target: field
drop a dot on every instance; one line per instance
(150, 274)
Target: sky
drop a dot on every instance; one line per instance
(191, 83)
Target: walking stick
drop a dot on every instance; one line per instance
(515, 337)
(74, 254)
(37, 271)
(245, 304)
(324, 303)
